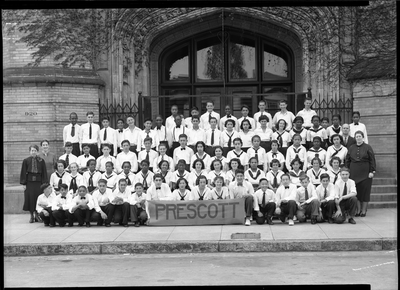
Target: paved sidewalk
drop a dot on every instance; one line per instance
(376, 231)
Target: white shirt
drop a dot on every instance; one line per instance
(152, 156)
(284, 135)
(185, 154)
(330, 132)
(205, 158)
(262, 158)
(158, 159)
(270, 156)
(65, 202)
(252, 123)
(315, 176)
(102, 160)
(159, 194)
(225, 137)
(242, 156)
(287, 116)
(177, 195)
(67, 134)
(140, 177)
(192, 177)
(224, 119)
(223, 160)
(197, 193)
(135, 199)
(341, 153)
(120, 136)
(122, 157)
(170, 122)
(111, 179)
(152, 135)
(176, 175)
(188, 122)
(258, 196)
(196, 135)
(161, 134)
(360, 127)
(237, 191)
(101, 199)
(254, 177)
(307, 115)
(265, 135)
(111, 138)
(246, 138)
(217, 137)
(295, 177)
(333, 175)
(45, 200)
(78, 179)
(291, 154)
(204, 124)
(259, 114)
(287, 194)
(82, 160)
(350, 185)
(131, 176)
(301, 194)
(54, 179)
(85, 129)
(168, 178)
(303, 133)
(270, 176)
(174, 132)
(96, 177)
(331, 192)
(321, 132)
(88, 199)
(212, 174)
(223, 194)
(311, 154)
(133, 136)
(117, 193)
(71, 158)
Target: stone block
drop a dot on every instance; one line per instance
(162, 247)
(389, 244)
(51, 249)
(351, 245)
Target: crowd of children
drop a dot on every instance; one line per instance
(290, 166)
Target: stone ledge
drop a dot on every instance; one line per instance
(200, 247)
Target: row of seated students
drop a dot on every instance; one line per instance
(328, 200)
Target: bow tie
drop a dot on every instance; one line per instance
(178, 126)
(64, 197)
(120, 130)
(240, 184)
(158, 188)
(183, 148)
(274, 154)
(355, 124)
(158, 128)
(286, 187)
(83, 197)
(229, 116)
(86, 156)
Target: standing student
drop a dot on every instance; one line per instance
(144, 176)
(245, 116)
(286, 199)
(228, 135)
(181, 172)
(213, 137)
(90, 135)
(119, 132)
(220, 191)
(170, 121)
(60, 206)
(296, 151)
(216, 170)
(275, 154)
(241, 188)
(347, 139)
(298, 129)
(337, 149)
(147, 132)
(132, 134)
(335, 128)
(68, 157)
(108, 136)
(282, 136)
(358, 126)
(326, 193)
(126, 155)
(274, 175)
(254, 174)
(162, 151)
(160, 131)
(183, 152)
(173, 134)
(166, 173)
(246, 134)
(83, 159)
(59, 176)
(307, 113)
(103, 209)
(148, 154)
(80, 207)
(74, 179)
(92, 176)
(103, 159)
(206, 117)
(258, 153)
(307, 201)
(128, 176)
(44, 203)
(295, 173)
(188, 121)
(110, 176)
(195, 134)
(316, 130)
(72, 134)
(346, 197)
(238, 153)
(33, 175)
(49, 158)
(315, 171)
(218, 156)
(119, 198)
(200, 154)
(264, 204)
(334, 169)
(316, 151)
(264, 132)
(137, 201)
(262, 105)
(228, 116)
(182, 191)
(234, 164)
(198, 170)
(283, 114)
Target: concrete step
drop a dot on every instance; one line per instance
(384, 180)
(384, 197)
(382, 204)
(383, 188)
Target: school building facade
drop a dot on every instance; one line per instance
(191, 55)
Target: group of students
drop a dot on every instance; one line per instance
(279, 165)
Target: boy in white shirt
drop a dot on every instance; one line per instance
(346, 198)
(188, 121)
(326, 193)
(83, 159)
(307, 113)
(213, 137)
(137, 201)
(104, 210)
(103, 159)
(283, 114)
(262, 105)
(206, 117)
(44, 203)
(147, 133)
(245, 116)
(119, 133)
(68, 157)
(195, 133)
(119, 199)
(307, 201)
(183, 152)
(160, 132)
(90, 135)
(126, 155)
(286, 200)
(228, 116)
(264, 204)
(158, 190)
(61, 205)
(81, 206)
(108, 136)
(148, 154)
(357, 126)
(170, 121)
(174, 133)
(72, 134)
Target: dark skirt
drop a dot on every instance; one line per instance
(359, 171)
(364, 190)
(31, 194)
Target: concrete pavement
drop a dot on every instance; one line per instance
(376, 231)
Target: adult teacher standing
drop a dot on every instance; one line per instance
(33, 175)
(49, 158)
(361, 160)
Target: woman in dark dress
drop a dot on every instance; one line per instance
(49, 158)
(361, 160)
(33, 175)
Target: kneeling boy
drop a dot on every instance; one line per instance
(326, 193)
(307, 201)
(61, 205)
(264, 203)
(104, 210)
(137, 202)
(286, 199)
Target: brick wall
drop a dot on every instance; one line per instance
(376, 102)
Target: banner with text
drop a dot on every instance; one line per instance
(196, 212)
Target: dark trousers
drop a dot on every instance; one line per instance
(349, 205)
(108, 210)
(121, 213)
(308, 210)
(137, 213)
(267, 211)
(327, 209)
(288, 209)
(75, 149)
(94, 150)
(61, 215)
(47, 219)
(248, 206)
(111, 149)
(82, 215)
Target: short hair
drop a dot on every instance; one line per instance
(73, 113)
(239, 171)
(181, 161)
(198, 160)
(307, 99)
(315, 116)
(159, 116)
(253, 158)
(263, 117)
(244, 107)
(195, 117)
(89, 161)
(359, 132)
(121, 180)
(176, 106)
(219, 178)
(125, 141)
(275, 161)
(130, 116)
(262, 101)
(275, 142)
(161, 163)
(89, 113)
(109, 162)
(213, 162)
(246, 120)
(324, 119)
(213, 118)
(263, 179)
(297, 135)
(178, 115)
(63, 185)
(337, 116)
(105, 118)
(106, 146)
(255, 136)
(67, 144)
(230, 121)
(44, 186)
(344, 169)
(139, 184)
(158, 175)
(316, 159)
(47, 141)
(63, 162)
(83, 186)
(317, 138)
(304, 176)
(298, 118)
(334, 158)
(283, 101)
(285, 174)
(356, 113)
(277, 124)
(122, 120)
(324, 175)
(148, 120)
(102, 180)
(200, 143)
(144, 161)
(210, 101)
(238, 139)
(162, 145)
(126, 162)
(235, 160)
(337, 135)
(201, 177)
(85, 145)
(194, 108)
(183, 136)
(148, 139)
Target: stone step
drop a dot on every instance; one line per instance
(383, 197)
(383, 188)
(384, 181)
(382, 204)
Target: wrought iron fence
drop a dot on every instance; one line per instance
(119, 111)
(341, 105)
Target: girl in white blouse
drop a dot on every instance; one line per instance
(219, 191)
(245, 134)
(182, 191)
(282, 136)
(216, 170)
(201, 191)
(198, 169)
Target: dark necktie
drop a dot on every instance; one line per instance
(147, 134)
(209, 118)
(128, 181)
(315, 174)
(336, 151)
(182, 197)
(120, 130)
(240, 184)
(83, 197)
(60, 179)
(90, 131)
(230, 140)
(337, 131)
(144, 181)
(345, 141)
(73, 185)
(63, 197)
(325, 193)
(275, 183)
(67, 160)
(162, 157)
(256, 150)
(345, 189)
(147, 156)
(306, 193)
(263, 199)
(91, 187)
(228, 116)
(105, 134)
(280, 141)
(219, 196)
(336, 176)
(212, 138)
(73, 131)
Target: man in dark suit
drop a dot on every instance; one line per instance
(347, 139)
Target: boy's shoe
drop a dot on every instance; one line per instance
(62, 225)
(126, 225)
(269, 221)
(88, 225)
(352, 221)
(282, 218)
(70, 225)
(313, 221)
(137, 224)
(46, 225)
(108, 225)
(247, 223)
(52, 226)
(330, 220)
(295, 218)
(291, 223)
